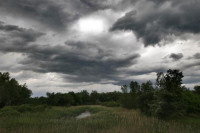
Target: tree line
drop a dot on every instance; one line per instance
(11, 92)
(79, 98)
(168, 98)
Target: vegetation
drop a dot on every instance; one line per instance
(167, 100)
(166, 107)
(11, 93)
(80, 98)
(102, 120)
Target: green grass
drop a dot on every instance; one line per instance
(102, 120)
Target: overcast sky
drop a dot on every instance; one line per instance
(74, 45)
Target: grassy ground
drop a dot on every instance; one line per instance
(103, 120)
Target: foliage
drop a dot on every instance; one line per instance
(9, 111)
(11, 92)
(146, 97)
(17, 110)
(111, 104)
(197, 90)
(79, 98)
(191, 102)
(168, 100)
(102, 120)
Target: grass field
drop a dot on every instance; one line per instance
(102, 120)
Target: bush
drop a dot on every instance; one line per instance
(111, 104)
(23, 108)
(11, 92)
(191, 102)
(30, 108)
(40, 108)
(9, 111)
(16, 110)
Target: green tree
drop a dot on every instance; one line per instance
(94, 96)
(191, 101)
(197, 90)
(125, 98)
(134, 94)
(169, 98)
(134, 87)
(146, 97)
(11, 92)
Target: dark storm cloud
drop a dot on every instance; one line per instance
(191, 79)
(192, 65)
(155, 20)
(56, 15)
(9, 27)
(196, 56)
(44, 11)
(83, 61)
(176, 57)
(63, 60)
(14, 38)
(96, 4)
(146, 72)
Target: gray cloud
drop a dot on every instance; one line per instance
(56, 15)
(196, 56)
(192, 65)
(44, 11)
(103, 58)
(81, 67)
(84, 61)
(96, 4)
(9, 27)
(154, 20)
(176, 57)
(14, 38)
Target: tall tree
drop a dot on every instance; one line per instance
(169, 99)
(135, 87)
(11, 92)
(197, 89)
(146, 97)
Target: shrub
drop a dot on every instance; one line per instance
(111, 104)
(30, 108)
(9, 111)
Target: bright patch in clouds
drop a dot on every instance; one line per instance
(91, 25)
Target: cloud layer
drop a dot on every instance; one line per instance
(154, 21)
(69, 45)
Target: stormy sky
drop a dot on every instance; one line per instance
(74, 45)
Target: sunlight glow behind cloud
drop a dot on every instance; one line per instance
(91, 25)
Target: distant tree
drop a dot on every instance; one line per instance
(124, 100)
(94, 97)
(146, 97)
(134, 87)
(11, 92)
(84, 97)
(50, 98)
(191, 102)
(197, 89)
(169, 98)
(134, 94)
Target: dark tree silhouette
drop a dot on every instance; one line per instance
(11, 92)
(197, 89)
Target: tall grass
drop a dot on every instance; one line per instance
(102, 120)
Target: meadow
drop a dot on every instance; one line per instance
(47, 119)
